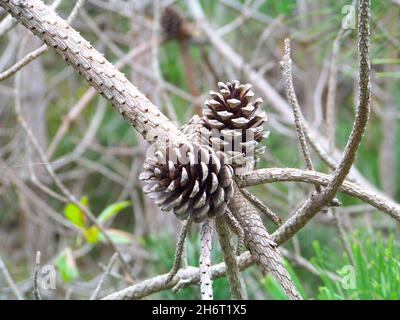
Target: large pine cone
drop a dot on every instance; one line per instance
(236, 122)
(190, 179)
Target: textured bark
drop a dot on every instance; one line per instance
(190, 275)
(270, 175)
(101, 74)
(206, 236)
(262, 247)
(317, 201)
(235, 283)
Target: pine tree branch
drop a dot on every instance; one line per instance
(206, 236)
(318, 200)
(190, 276)
(259, 242)
(270, 175)
(262, 207)
(180, 248)
(234, 278)
(101, 74)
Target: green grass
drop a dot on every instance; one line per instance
(375, 274)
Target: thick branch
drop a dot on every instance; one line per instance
(101, 74)
(260, 243)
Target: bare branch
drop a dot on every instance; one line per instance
(237, 229)
(9, 280)
(206, 235)
(260, 243)
(318, 200)
(38, 52)
(235, 281)
(286, 65)
(190, 275)
(104, 276)
(180, 248)
(262, 207)
(270, 175)
(101, 74)
(36, 291)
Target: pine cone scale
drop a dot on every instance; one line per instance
(235, 121)
(190, 179)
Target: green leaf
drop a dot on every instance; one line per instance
(118, 236)
(74, 214)
(112, 210)
(92, 234)
(66, 265)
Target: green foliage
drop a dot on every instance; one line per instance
(74, 214)
(375, 274)
(92, 233)
(65, 262)
(376, 270)
(117, 236)
(112, 210)
(163, 248)
(66, 265)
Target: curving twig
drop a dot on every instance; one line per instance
(270, 175)
(318, 200)
(286, 66)
(180, 248)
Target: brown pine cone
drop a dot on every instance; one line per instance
(236, 122)
(190, 179)
(171, 22)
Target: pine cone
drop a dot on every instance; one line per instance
(171, 22)
(236, 122)
(190, 179)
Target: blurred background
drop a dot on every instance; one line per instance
(175, 57)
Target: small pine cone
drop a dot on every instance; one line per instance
(236, 122)
(190, 179)
(171, 22)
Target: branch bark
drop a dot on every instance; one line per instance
(317, 201)
(190, 275)
(270, 175)
(261, 245)
(145, 117)
(233, 274)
